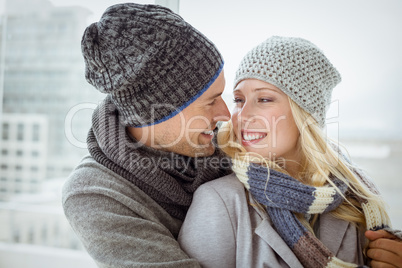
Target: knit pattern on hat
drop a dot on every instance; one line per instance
(283, 196)
(295, 66)
(152, 62)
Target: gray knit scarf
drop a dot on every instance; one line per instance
(168, 178)
(283, 196)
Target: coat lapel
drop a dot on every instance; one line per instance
(332, 232)
(273, 239)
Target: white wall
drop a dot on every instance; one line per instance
(28, 256)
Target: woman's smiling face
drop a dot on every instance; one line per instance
(263, 121)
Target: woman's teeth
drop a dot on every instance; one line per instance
(250, 137)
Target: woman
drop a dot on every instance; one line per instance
(294, 199)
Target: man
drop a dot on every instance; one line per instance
(151, 138)
(384, 249)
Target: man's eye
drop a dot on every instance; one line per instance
(213, 102)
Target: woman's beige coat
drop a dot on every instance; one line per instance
(222, 230)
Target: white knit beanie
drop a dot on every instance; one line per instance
(295, 66)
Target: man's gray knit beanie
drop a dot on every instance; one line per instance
(151, 62)
(295, 66)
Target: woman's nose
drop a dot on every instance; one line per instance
(245, 113)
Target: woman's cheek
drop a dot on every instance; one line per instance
(235, 123)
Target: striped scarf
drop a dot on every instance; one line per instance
(283, 196)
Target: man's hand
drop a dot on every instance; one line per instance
(384, 249)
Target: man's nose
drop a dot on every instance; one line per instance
(221, 112)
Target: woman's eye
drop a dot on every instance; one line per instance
(265, 100)
(237, 100)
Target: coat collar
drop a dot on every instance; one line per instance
(332, 232)
(267, 233)
(273, 239)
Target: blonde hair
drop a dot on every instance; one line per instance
(321, 159)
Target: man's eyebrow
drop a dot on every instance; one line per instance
(215, 96)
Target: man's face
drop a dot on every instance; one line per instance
(190, 132)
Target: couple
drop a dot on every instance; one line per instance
(276, 194)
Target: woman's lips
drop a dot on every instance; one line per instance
(249, 138)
